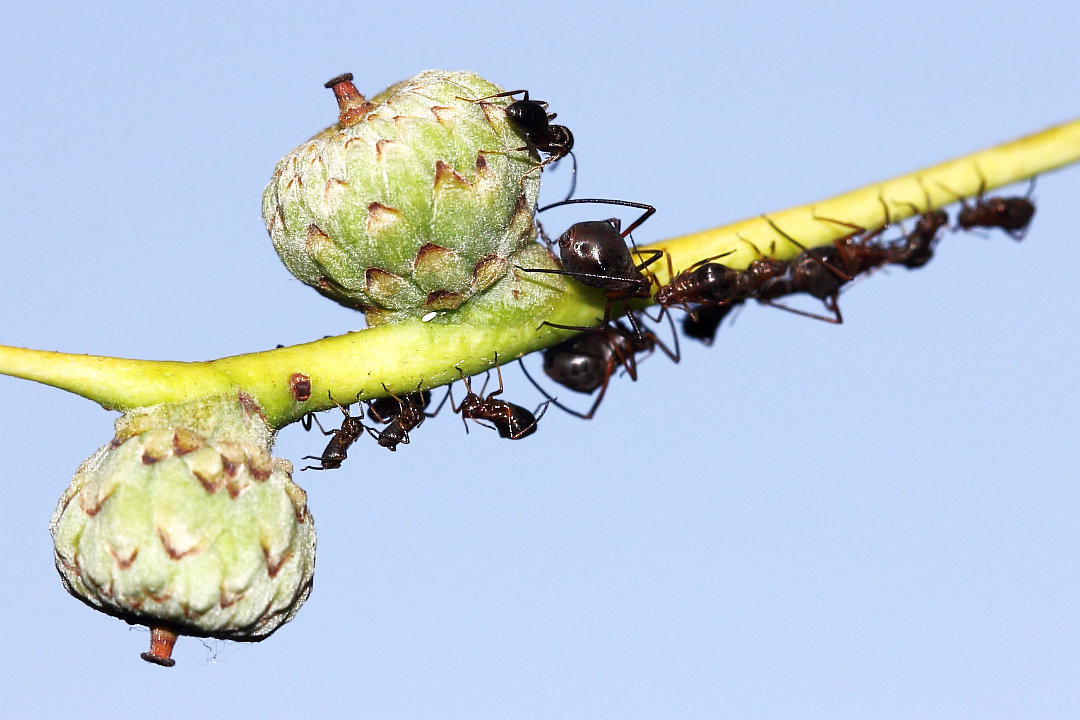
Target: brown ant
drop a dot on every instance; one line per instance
(511, 421)
(336, 450)
(533, 120)
(916, 248)
(594, 252)
(1011, 214)
(586, 362)
(408, 417)
(814, 271)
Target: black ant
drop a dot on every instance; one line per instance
(703, 321)
(336, 450)
(512, 421)
(586, 362)
(408, 417)
(594, 252)
(534, 121)
(384, 409)
(1011, 214)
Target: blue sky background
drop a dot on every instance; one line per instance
(873, 520)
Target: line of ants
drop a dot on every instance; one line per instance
(402, 414)
(595, 253)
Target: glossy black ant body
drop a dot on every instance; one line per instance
(703, 321)
(408, 417)
(513, 422)
(595, 253)
(1011, 214)
(586, 362)
(534, 121)
(337, 449)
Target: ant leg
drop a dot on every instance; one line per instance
(673, 356)
(441, 403)
(508, 93)
(649, 209)
(837, 319)
(828, 266)
(498, 371)
(573, 176)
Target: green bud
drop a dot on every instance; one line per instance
(188, 531)
(413, 202)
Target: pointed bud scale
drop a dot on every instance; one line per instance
(413, 202)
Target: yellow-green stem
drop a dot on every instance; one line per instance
(405, 354)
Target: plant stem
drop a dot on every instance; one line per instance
(405, 354)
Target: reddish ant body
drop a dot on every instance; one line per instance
(337, 449)
(512, 422)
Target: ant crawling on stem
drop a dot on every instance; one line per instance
(594, 252)
(337, 449)
(586, 362)
(1011, 214)
(513, 422)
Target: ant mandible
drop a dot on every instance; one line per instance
(337, 449)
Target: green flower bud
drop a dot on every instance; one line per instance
(413, 202)
(187, 533)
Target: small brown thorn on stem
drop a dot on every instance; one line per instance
(161, 647)
(352, 105)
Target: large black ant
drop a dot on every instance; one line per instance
(511, 421)
(702, 321)
(410, 413)
(534, 121)
(1011, 214)
(594, 252)
(337, 449)
(586, 362)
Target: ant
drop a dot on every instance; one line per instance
(587, 361)
(916, 248)
(814, 272)
(1011, 214)
(708, 283)
(534, 121)
(338, 447)
(703, 321)
(594, 252)
(385, 409)
(512, 421)
(409, 415)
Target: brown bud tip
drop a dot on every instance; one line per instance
(342, 78)
(161, 647)
(351, 104)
